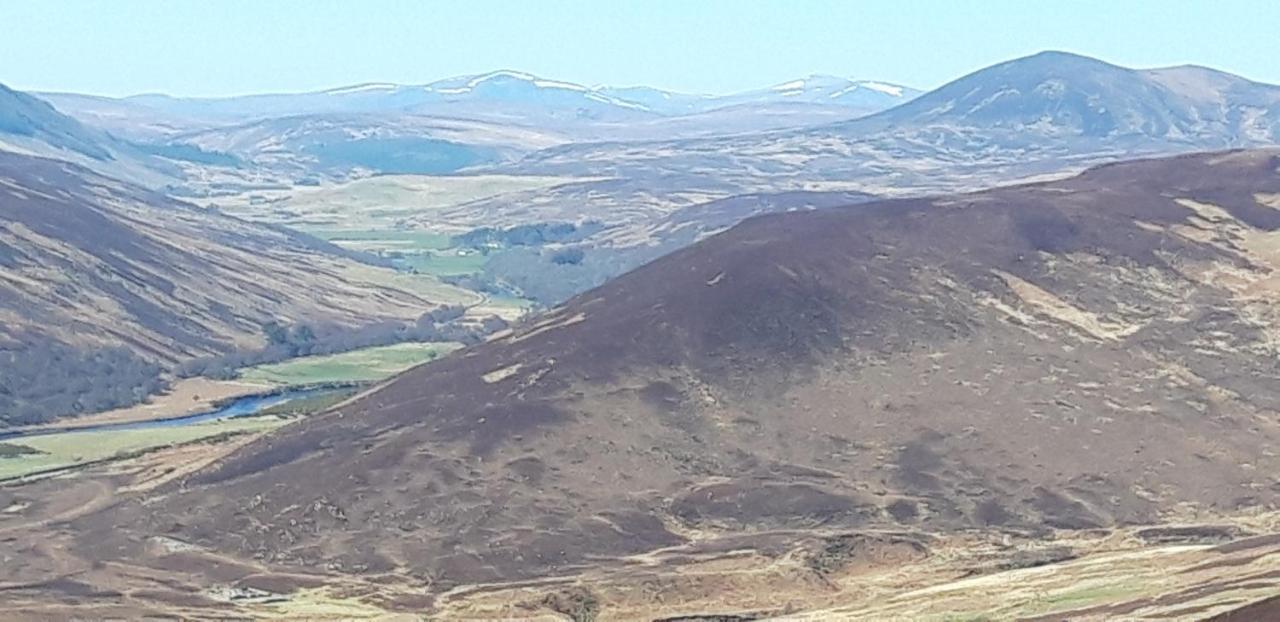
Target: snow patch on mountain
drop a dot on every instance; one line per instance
(481, 79)
(887, 89)
(363, 88)
(553, 84)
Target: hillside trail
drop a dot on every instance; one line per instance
(103, 496)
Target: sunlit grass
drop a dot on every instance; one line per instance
(445, 264)
(363, 365)
(385, 238)
(67, 449)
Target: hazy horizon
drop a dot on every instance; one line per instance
(185, 49)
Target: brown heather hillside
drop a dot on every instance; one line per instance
(92, 262)
(1086, 353)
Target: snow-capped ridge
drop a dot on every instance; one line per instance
(503, 73)
(513, 92)
(363, 88)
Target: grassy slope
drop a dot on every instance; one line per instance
(425, 286)
(71, 448)
(371, 215)
(359, 365)
(311, 405)
(446, 264)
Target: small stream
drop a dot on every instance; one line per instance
(235, 407)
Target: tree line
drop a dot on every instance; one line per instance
(48, 379)
(290, 341)
(41, 380)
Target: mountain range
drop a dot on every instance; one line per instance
(1067, 96)
(498, 92)
(1049, 112)
(1040, 114)
(446, 125)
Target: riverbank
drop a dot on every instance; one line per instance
(185, 397)
(60, 452)
(275, 401)
(47, 451)
(194, 396)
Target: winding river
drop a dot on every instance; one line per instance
(236, 407)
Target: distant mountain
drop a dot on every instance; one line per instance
(494, 93)
(526, 90)
(1070, 97)
(358, 130)
(865, 95)
(514, 88)
(126, 117)
(513, 96)
(1049, 113)
(660, 101)
(443, 126)
(340, 145)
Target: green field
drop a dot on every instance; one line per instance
(407, 219)
(422, 251)
(310, 405)
(15, 451)
(505, 307)
(444, 264)
(67, 449)
(388, 239)
(366, 365)
(509, 302)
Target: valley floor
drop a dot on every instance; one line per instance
(69, 444)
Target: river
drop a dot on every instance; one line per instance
(235, 407)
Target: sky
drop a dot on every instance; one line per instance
(230, 47)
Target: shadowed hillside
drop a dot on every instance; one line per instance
(98, 276)
(31, 126)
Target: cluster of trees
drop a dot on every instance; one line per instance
(286, 342)
(483, 283)
(397, 154)
(47, 379)
(552, 276)
(190, 153)
(44, 379)
(568, 256)
(537, 234)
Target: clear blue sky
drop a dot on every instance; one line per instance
(222, 47)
